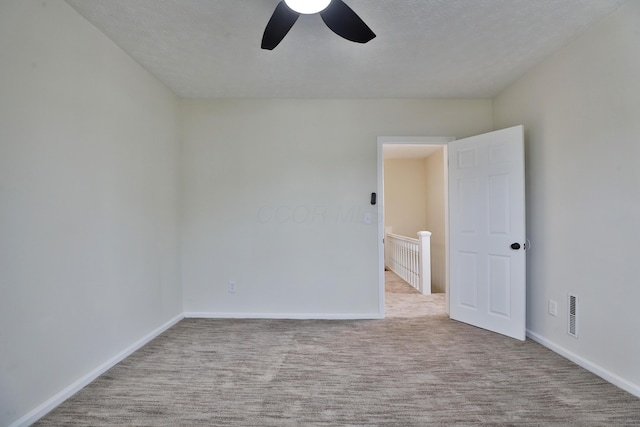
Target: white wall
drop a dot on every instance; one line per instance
(434, 167)
(405, 196)
(581, 112)
(88, 202)
(274, 194)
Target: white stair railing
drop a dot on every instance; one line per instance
(410, 259)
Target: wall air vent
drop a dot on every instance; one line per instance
(573, 316)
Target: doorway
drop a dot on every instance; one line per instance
(411, 147)
(485, 230)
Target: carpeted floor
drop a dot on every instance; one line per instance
(414, 368)
(403, 301)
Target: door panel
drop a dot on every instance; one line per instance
(468, 212)
(487, 215)
(499, 281)
(499, 201)
(468, 280)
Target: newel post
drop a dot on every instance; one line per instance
(425, 262)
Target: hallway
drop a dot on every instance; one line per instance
(403, 301)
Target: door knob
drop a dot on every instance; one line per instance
(515, 246)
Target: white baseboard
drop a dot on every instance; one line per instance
(43, 409)
(589, 366)
(292, 316)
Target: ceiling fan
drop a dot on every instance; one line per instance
(339, 17)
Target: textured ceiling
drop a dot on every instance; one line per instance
(423, 48)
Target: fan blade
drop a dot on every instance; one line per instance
(346, 23)
(279, 25)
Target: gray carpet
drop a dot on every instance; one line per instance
(414, 368)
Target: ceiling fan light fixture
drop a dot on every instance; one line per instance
(307, 7)
(339, 17)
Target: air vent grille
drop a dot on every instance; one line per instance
(573, 316)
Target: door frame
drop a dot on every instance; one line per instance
(413, 140)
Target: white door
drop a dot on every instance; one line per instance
(487, 231)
